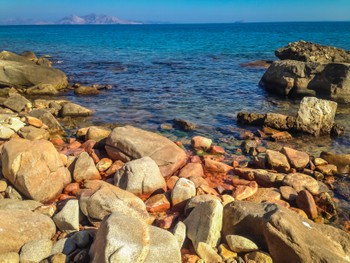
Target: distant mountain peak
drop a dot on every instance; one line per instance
(93, 19)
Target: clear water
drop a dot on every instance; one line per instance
(161, 72)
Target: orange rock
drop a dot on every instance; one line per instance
(306, 202)
(246, 173)
(244, 191)
(217, 150)
(57, 141)
(94, 156)
(167, 221)
(34, 121)
(157, 203)
(206, 189)
(72, 189)
(74, 145)
(114, 167)
(196, 159)
(299, 212)
(279, 202)
(191, 169)
(171, 182)
(198, 181)
(65, 196)
(216, 167)
(88, 146)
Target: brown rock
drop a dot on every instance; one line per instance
(288, 193)
(157, 203)
(72, 188)
(171, 182)
(34, 121)
(244, 191)
(302, 182)
(265, 194)
(191, 170)
(328, 169)
(277, 161)
(201, 143)
(306, 202)
(216, 167)
(297, 159)
(217, 150)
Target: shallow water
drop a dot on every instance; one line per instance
(161, 72)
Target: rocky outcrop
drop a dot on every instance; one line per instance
(304, 72)
(20, 72)
(34, 168)
(130, 143)
(122, 238)
(287, 236)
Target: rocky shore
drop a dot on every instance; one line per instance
(129, 195)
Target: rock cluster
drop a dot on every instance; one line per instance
(308, 69)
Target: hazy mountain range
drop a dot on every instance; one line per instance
(91, 19)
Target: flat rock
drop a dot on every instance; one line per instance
(129, 143)
(42, 89)
(34, 168)
(122, 238)
(297, 159)
(99, 199)
(316, 116)
(191, 169)
(301, 182)
(75, 110)
(68, 218)
(24, 226)
(32, 133)
(48, 119)
(265, 194)
(9, 204)
(288, 193)
(85, 168)
(277, 161)
(157, 203)
(36, 250)
(16, 102)
(285, 234)
(240, 244)
(141, 177)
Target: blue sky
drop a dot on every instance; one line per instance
(182, 11)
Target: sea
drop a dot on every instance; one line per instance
(187, 71)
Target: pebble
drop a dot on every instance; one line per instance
(240, 244)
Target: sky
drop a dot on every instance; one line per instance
(181, 11)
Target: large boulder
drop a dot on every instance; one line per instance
(287, 236)
(19, 227)
(17, 71)
(99, 199)
(316, 116)
(126, 239)
(311, 52)
(128, 143)
(34, 168)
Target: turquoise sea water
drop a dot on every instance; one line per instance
(161, 72)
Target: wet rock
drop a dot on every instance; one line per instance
(282, 136)
(32, 133)
(99, 199)
(85, 169)
(122, 238)
(68, 218)
(75, 110)
(141, 177)
(86, 90)
(21, 72)
(342, 161)
(297, 159)
(24, 226)
(183, 190)
(277, 161)
(16, 102)
(201, 143)
(306, 202)
(157, 203)
(36, 250)
(284, 233)
(316, 116)
(42, 89)
(279, 121)
(184, 125)
(240, 244)
(204, 223)
(129, 143)
(48, 119)
(251, 118)
(30, 55)
(191, 170)
(302, 182)
(257, 64)
(34, 168)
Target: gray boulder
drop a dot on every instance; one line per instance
(74, 110)
(17, 71)
(126, 239)
(287, 236)
(129, 143)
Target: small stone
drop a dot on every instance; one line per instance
(282, 136)
(157, 203)
(184, 125)
(85, 168)
(34, 121)
(226, 199)
(68, 218)
(277, 161)
(104, 164)
(226, 253)
(201, 143)
(86, 90)
(258, 256)
(12, 193)
(216, 167)
(48, 210)
(36, 250)
(207, 253)
(191, 169)
(306, 202)
(328, 169)
(296, 158)
(97, 134)
(215, 150)
(288, 193)
(171, 182)
(240, 244)
(183, 190)
(3, 185)
(72, 189)
(180, 233)
(75, 110)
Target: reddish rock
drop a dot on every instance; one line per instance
(201, 143)
(239, 161)
(114, 167)
(216, 167)
(72, 189)
(167, 221)
(244, 191)
(245, 173)
(198, 181)
(62, 197)
(279, 202)
(246, 135)
(88, 146)
(297, 159)
(299, 212)
(306, 202)
(171, 182)
(57, 141)
(191, 170)
(282, 136)
(206, 189)
(157, 203)
(196, 159)
(73, 145)
(277, 161)
(217, 150)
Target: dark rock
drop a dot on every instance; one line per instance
(75, 110)
(184, 125)
(86, 90)
(257, 64)
(48, 119)
(16, 103)
(251, 118)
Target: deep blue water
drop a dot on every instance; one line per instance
(161, 72)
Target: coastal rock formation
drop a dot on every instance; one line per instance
(128, 143)
(285, 234)
(20, 72)
(310, 70)
(34, 168)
